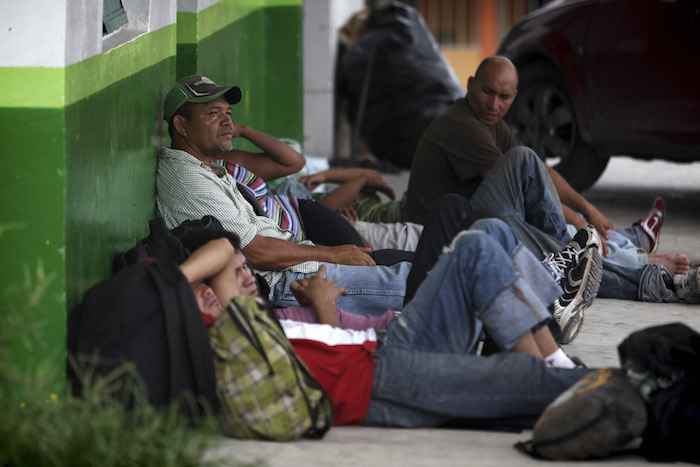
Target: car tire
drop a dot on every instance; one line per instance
(543, 118)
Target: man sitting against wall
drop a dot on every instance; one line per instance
(190, 186)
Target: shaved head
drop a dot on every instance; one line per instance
(501, 63)
(492, 89)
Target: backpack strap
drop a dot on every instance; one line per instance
(251, 200)
(181, 312)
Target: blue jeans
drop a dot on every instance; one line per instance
(426, 372)
(622, 251)
(655, 283)
(519, 188)
(371, 289)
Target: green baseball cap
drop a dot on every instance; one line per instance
(198, 89)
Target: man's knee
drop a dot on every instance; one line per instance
(491, 226)
(475, 240)
(521, 153)
(521, 162)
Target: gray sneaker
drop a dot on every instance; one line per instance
(578, 269)
(688, 286)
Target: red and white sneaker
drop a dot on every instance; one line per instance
(651, 225)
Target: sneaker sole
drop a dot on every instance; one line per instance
(570, 318)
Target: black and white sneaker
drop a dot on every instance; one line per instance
(578, 269)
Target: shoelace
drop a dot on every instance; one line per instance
(558, 262)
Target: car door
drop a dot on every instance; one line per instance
(643, 71)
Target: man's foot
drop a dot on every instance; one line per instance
(651, 226)
(676, 264)
(560, 359)
(688, 286)
(578, 269)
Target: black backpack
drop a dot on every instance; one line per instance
(145, 314)
(663, 363)
(163, 244)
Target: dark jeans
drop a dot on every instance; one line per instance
(325, 226)
(449, 215)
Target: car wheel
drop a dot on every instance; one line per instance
(543, 118)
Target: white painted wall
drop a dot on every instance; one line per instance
(69, 31)
(194, 6)
(29, 39)
(322, 19)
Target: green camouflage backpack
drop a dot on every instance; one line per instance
(265, 390)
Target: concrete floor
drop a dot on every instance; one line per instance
(624, 194)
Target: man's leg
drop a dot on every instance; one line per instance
(519, 188)
(425, 372)
(324, 226)
(449, 215)
(371, 289)
(396, 235)
(651, 283)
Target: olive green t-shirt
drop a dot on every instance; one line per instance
(451, 156)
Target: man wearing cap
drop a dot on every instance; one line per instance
(189, 186)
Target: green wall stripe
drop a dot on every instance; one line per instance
(40, 87)
(29, 87)
(219, 16)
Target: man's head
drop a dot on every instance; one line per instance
(198, 112)
(246, 280)
(247, 283)
(492, 89)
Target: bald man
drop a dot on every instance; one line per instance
(464, 143)
(471, 151)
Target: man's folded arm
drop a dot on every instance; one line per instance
(274, 254)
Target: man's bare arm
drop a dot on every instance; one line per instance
(573, 203)
(345, 194)
(578, 203)
(208, 260)
(274, 254)
(373, 181)
(277, 160)
(214, 261)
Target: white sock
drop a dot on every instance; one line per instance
(559, 359)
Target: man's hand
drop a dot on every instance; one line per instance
(351, 255)
(316, 289)
(238, 130)
(349, 214)
(321, 294)
(374, 183)
(575, 219)
(600, 222)
(311, 182)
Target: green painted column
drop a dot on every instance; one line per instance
(32, 235)
(78, 171)
(256, 45)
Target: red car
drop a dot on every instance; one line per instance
(606, 77)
